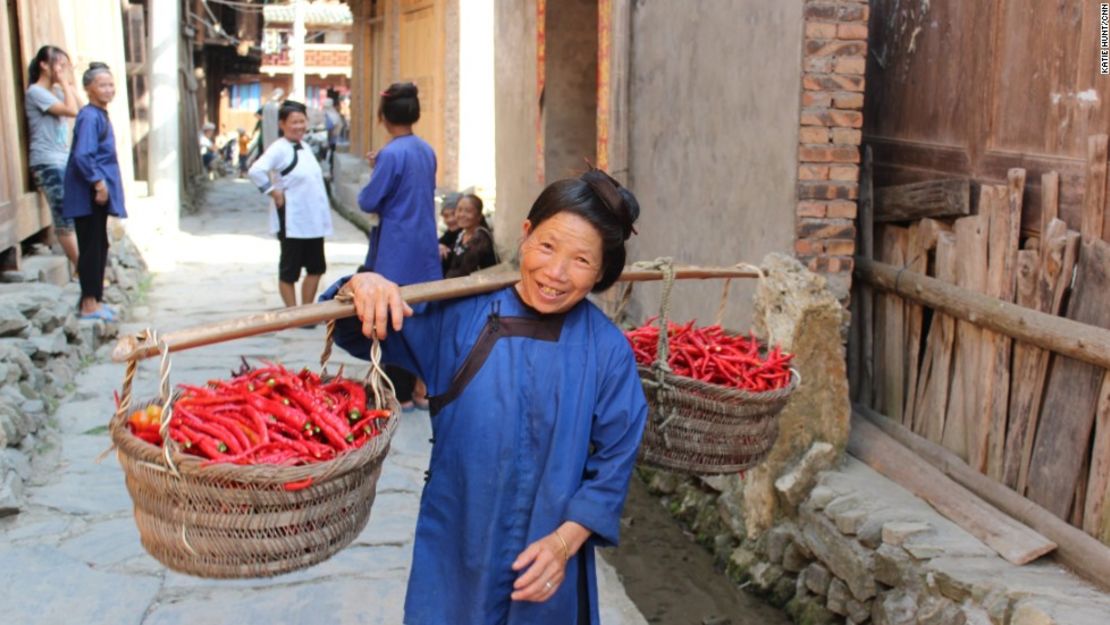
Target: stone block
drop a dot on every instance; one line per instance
(843, 556)
(793, 558)
(817, 579)
(810, 610)
(764, 575)
(897, 532)
(895, 607)
(820, 497)
(838, 597)
(794, 485)
(740, 563)
(893, 566)
(784, 590)
(12, 321)
(776, 540)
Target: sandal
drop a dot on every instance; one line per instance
(102, 314)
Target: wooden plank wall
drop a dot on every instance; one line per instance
(1022, 118)
(928, 118)
(1036, 422)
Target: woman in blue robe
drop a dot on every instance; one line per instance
(404, 246)
(537, 414)
(93, 189)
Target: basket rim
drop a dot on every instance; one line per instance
(720, 392)
(190, 466)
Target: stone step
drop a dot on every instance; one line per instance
(48, 268)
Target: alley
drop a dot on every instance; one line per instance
(73, 554)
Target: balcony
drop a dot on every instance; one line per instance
(322, 59)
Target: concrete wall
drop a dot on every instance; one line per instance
(713, 136)
(516, 104)
(570, 91)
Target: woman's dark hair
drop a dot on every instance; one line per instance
(95, 68)
(599, 199)
(477, 201)
(46, 54)
(289, 107)
(400, 104)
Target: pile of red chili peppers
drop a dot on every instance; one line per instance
(270, 415)
(711, 355)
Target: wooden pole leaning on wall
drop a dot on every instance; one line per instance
(1012, 540)
(130, 348)
(1071, 338)
(1079, 551)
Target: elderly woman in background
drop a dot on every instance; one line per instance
(537, 413)
(93, 188)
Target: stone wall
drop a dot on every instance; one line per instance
(860, 549)
(43, 345)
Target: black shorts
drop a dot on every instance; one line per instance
(298, 253)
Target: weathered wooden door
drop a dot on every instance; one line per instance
(975, 88)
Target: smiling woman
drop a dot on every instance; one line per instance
(537, 414)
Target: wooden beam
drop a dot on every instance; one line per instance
(1063, 336)
(933, 198)
(1094, 193)
(1010, 539)
(1080, 552)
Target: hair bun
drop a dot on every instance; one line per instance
(97, 65)
(401, 90)
(620, 201)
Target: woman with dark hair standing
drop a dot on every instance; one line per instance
(537, 416)
(474, 248)
(403, 247)
(301, 218)
(93, 188)
(51, 97)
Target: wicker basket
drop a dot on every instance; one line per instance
(701, 428)
(234, 521)
(705, 429)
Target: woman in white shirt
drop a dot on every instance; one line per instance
(301, 218)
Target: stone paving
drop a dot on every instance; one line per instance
(73, 554)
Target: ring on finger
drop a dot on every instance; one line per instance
(548, 585)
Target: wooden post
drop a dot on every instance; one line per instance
(1094, 192)
(867, 309)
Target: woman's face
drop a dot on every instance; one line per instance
(102, 89)
(466, 214)
(560, 261)
(449, 218)
(293, 127)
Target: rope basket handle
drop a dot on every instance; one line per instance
(376, 377)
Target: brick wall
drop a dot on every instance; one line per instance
(834, 55)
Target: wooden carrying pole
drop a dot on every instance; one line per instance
(1076, 340)
(1082, 553)
(132, 348)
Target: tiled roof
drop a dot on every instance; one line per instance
(315, 14)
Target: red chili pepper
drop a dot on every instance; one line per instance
(298, 485)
